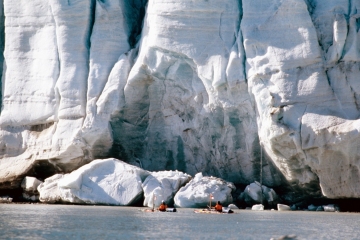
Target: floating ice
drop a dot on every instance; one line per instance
(198, 192)
(29, 186)
(163, 185)
(108, 181)
(257, 207)
(283, 207)
(252, 194)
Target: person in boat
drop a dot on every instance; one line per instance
(162, 206)
(218, 206)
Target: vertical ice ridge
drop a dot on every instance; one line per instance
(351, 49)
(134, 13)
(114, 37)
(283, 60)
(108, 41)
(188, 88)
(72, 38)
(73, 21)
(2, 44)
(339, 44)
(88, 42)
(30, 45)
(92, 21)
(242, 40)
(235, 69)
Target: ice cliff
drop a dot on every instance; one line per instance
(235, 89)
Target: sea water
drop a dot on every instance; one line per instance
(40, 221)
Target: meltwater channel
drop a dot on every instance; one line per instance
(39, 221)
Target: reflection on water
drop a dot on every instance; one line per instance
(37, 221)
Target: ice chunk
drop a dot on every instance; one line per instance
(30, 184)
(330, 208)
(163, 185)
(198, 192)
(109, 181)
(257, 207)
(312, 207)
(232, 206)
(283, 207)
(49, 191)
(252, 194)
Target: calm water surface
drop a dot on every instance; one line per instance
(37, 221)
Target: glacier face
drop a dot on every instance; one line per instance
(191, 85)
(178, 106)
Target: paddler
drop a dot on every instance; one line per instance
(162, 206)
(218, 206)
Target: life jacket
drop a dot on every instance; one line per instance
(218, 207)
(162, 207)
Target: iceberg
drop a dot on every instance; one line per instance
(330, 208)
(49, 191)
(29, 186)
(201, 190)
(255, 193)
(257, 207)
(162, 186)
(283, 207)
(109, 182)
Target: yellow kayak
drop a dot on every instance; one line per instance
(212, 211)
(155, 210)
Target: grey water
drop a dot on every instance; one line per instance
(39, 221)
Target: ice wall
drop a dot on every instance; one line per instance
(31, 57)
(185, 102)
(2, 37)
(298, 72)
(189, 85)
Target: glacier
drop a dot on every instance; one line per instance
(243, 90)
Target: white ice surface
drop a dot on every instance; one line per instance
(108, 181)
(163, 185)
(49, 190)
(283, 207)
(30, 184)
(197, 192)
(207, 82)
(253, 192)
(257, 207)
